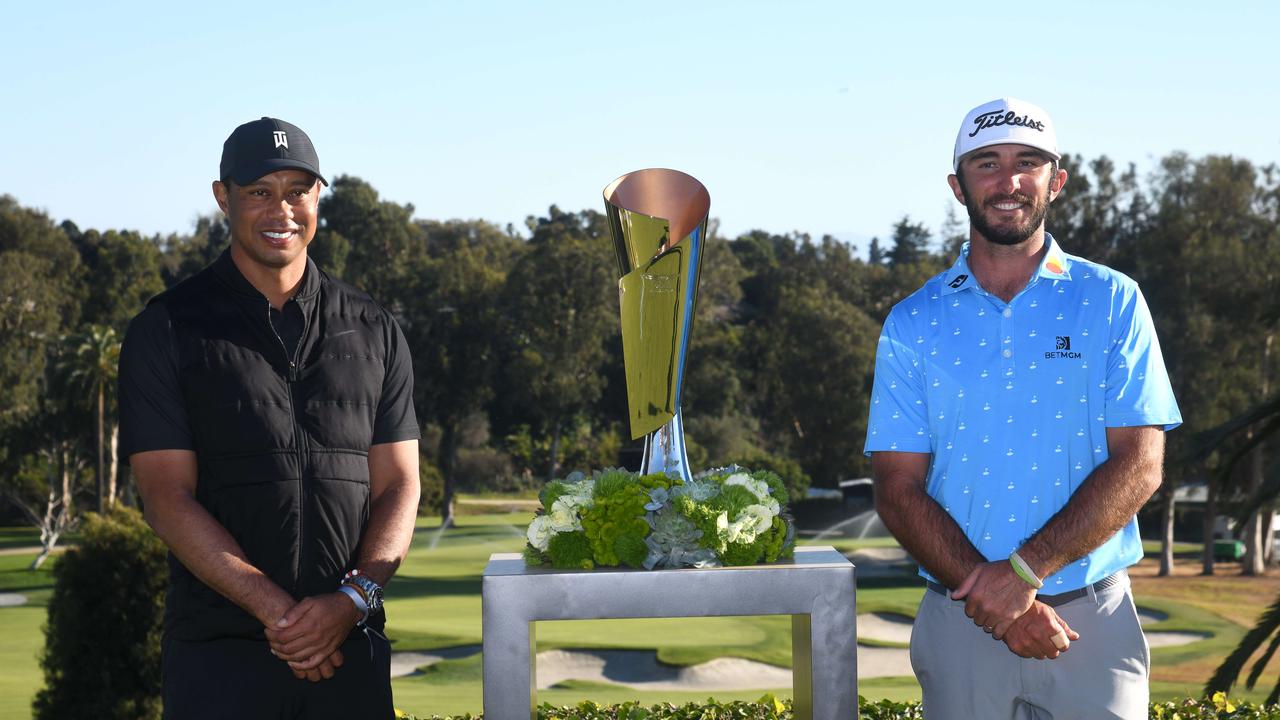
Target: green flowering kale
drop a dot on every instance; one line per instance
(570, 551)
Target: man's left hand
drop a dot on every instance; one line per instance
(994, 597)
(311, 630)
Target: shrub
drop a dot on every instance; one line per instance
(793, 477)
(769, 708)
(485, 469)
(102, 641)
(432, 484)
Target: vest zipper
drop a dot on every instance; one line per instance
(299, 441)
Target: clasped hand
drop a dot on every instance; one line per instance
(1004, 605)
(307, 636)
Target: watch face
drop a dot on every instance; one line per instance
(372, 590)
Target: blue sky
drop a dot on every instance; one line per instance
(824, 117)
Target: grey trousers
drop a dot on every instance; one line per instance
(966, 675)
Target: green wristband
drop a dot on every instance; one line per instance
(1024, 571)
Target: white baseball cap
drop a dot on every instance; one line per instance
(1007, 120)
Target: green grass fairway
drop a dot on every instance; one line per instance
(23, 631)
(434, 602)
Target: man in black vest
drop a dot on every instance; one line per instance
(267, 413)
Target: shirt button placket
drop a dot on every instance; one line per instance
(1006, 341)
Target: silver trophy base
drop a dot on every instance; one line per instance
(664, 451)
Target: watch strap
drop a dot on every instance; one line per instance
(358, 598)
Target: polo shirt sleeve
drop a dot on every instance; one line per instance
(1138, 388)
(898, 419)
(152, 413)
(396, 420)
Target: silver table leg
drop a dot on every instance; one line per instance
(816, 588)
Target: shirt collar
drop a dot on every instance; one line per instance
(226, 270)
(1055, 266)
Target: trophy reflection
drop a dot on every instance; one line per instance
(658, 220)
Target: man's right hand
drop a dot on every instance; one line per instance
(1032, 634)
(323, 671)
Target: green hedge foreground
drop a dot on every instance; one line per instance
(770, 708)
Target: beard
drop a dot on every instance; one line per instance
(1007, 234)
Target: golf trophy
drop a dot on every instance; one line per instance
(658, 220)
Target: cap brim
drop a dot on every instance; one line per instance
(249, 173)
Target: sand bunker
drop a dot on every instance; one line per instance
(640, 669)
(885, 627)
(12, 599)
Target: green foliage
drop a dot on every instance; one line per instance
(582, 447)
(740, 553)
(42, 277)
(124, 273)
(559, 308)
(610, 483)
(618, 513)
(102, 647)
(783, 472)
(552, 492)
(776, 543)
(732, 500)
(770, 708)
(431, 483)
(571, 551)
(630, 548)
(380, 235)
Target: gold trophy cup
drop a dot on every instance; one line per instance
(658, 220)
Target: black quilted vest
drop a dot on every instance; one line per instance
(282, 442)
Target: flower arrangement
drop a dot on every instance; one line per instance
(728, 516)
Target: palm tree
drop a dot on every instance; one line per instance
(95, 364)
(1264, 422)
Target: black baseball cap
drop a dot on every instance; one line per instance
(265, 146)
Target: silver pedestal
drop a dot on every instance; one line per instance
(816, 589)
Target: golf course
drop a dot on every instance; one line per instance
(435, 625)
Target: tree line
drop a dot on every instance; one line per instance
(518, 358)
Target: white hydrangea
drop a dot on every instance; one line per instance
(540, 532)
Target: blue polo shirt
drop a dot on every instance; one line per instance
(1013, 399)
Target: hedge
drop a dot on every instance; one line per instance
(1217, 707)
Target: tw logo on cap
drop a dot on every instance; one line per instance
(282, 140)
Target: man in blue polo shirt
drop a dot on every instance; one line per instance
(1017, 424)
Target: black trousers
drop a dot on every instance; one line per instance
(241, 679)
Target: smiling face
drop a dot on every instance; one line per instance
(272, 219)
(1007, 190)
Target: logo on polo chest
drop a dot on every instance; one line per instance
(958, 281)
(1062, 349)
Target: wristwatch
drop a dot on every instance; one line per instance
(371, 590)
(357, 597)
